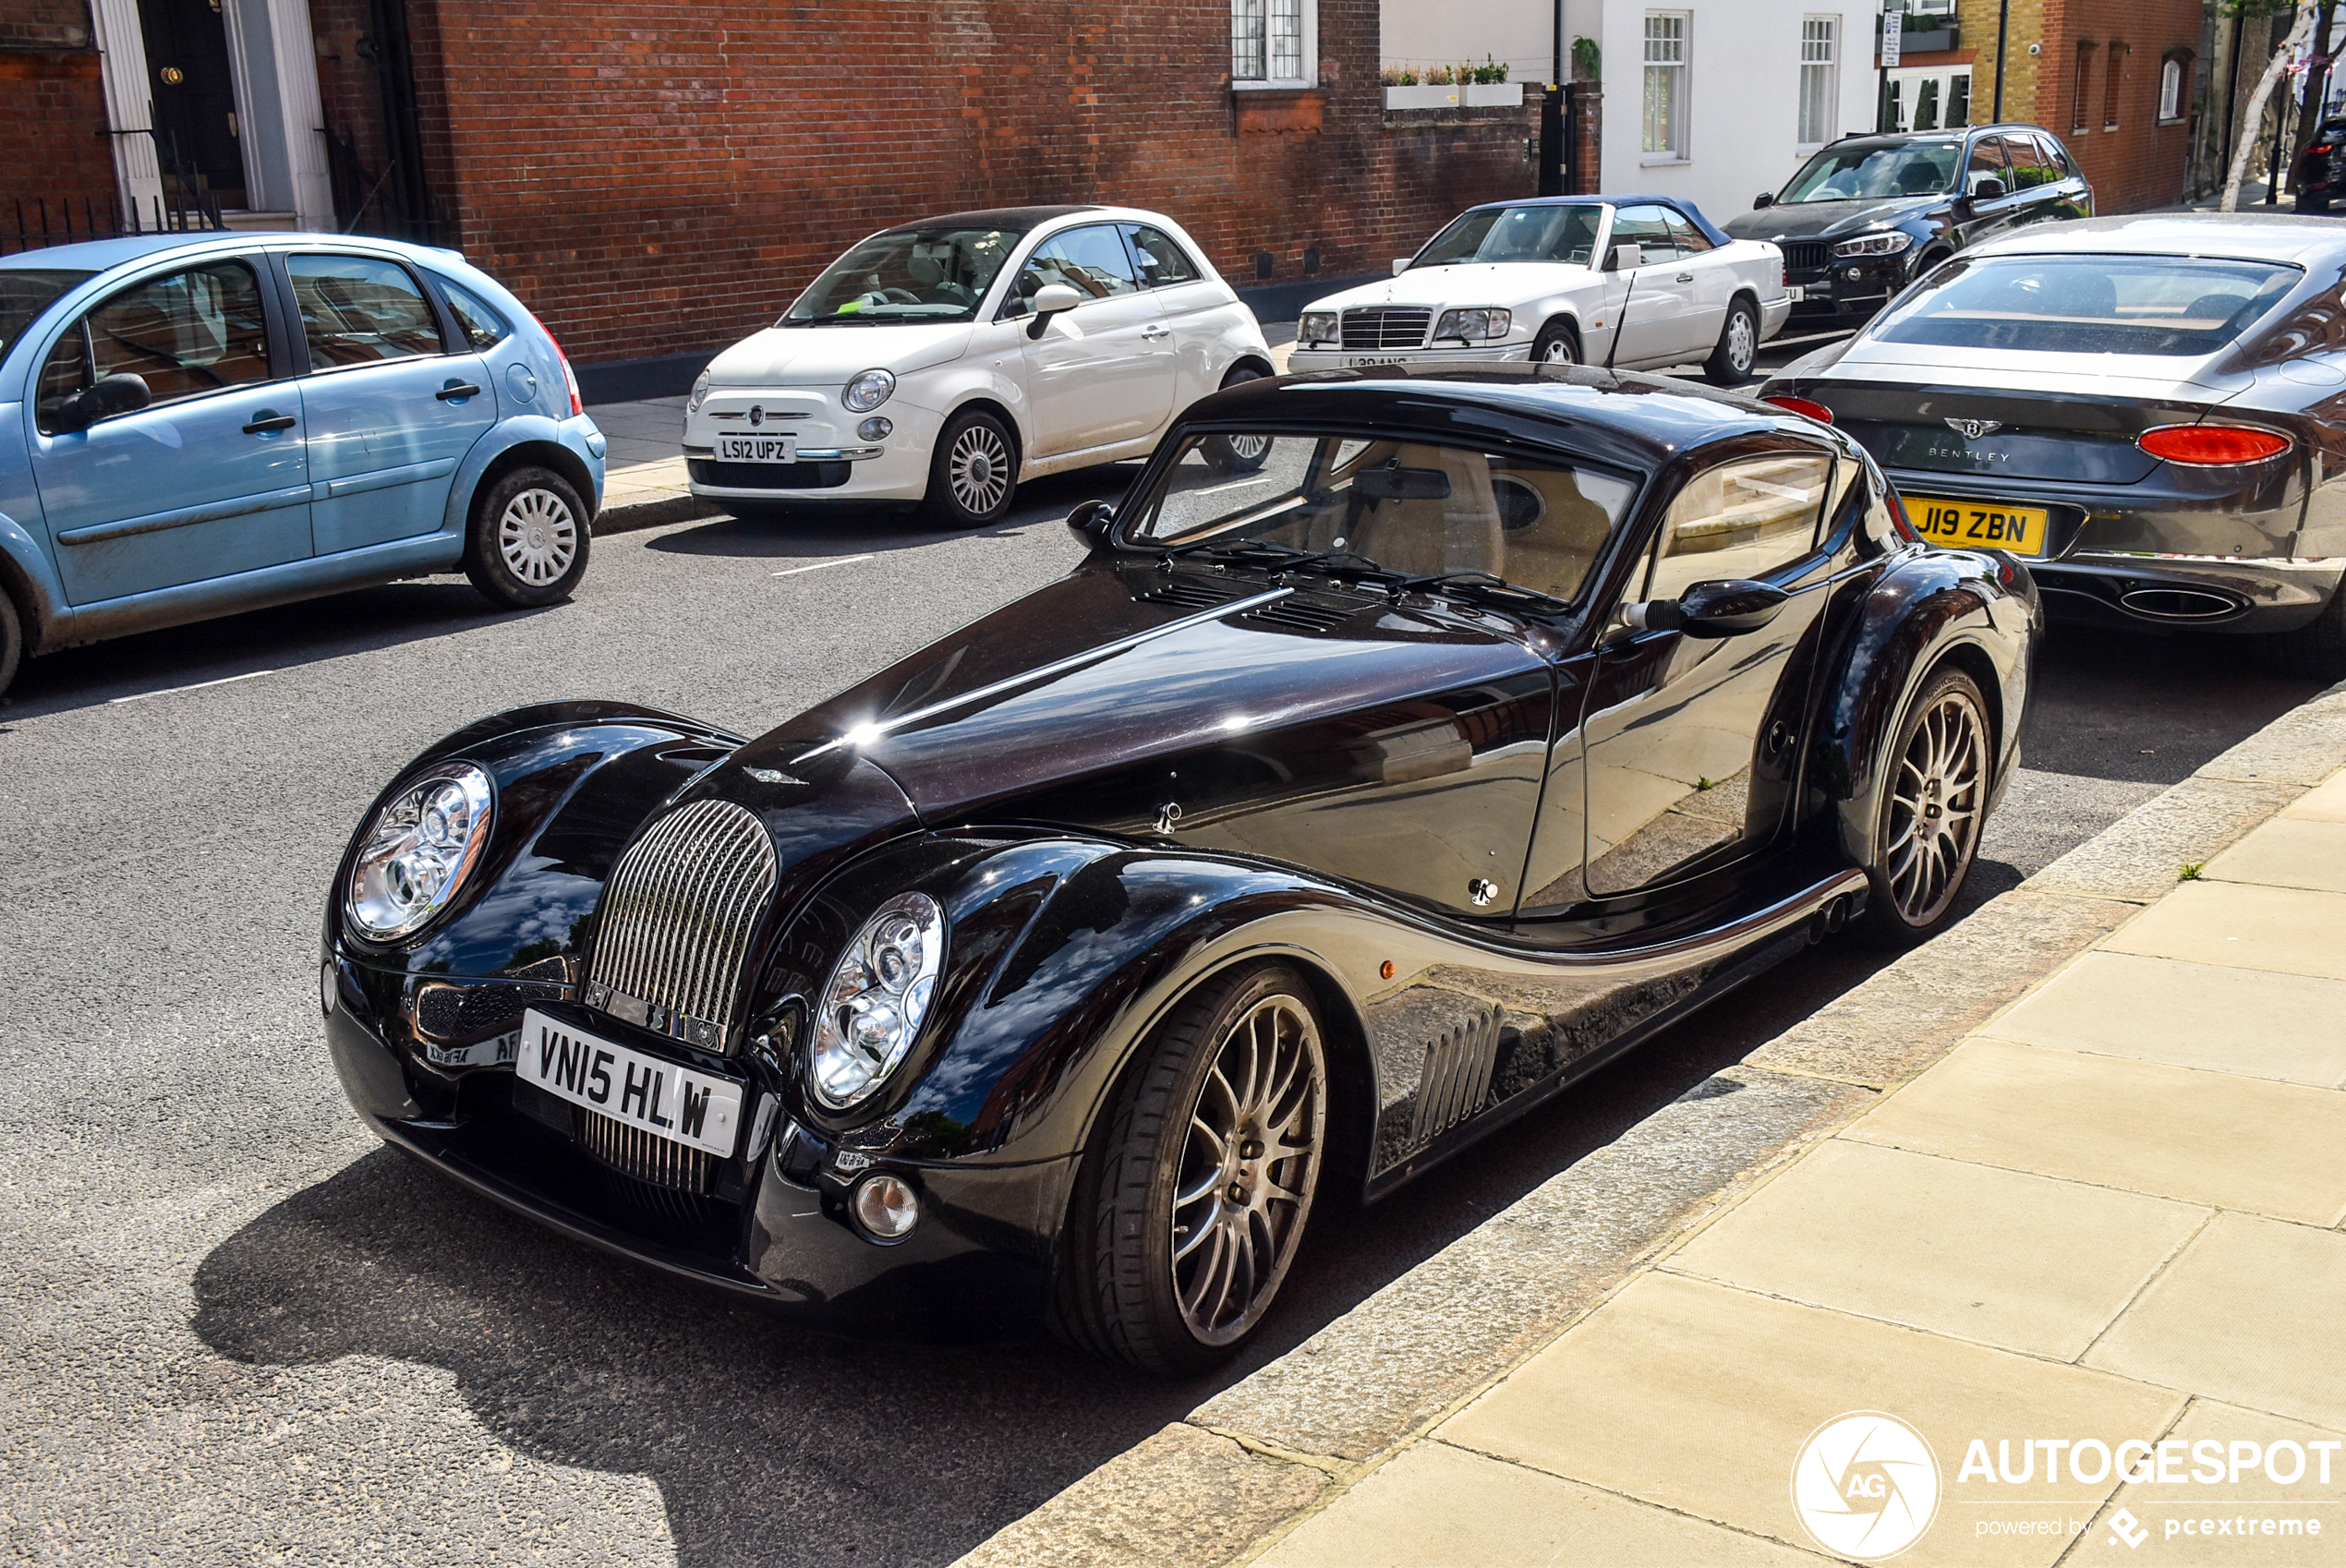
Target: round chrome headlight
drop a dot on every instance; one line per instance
(700, 393)
(877, 998)
(869, 389)
(419, 849)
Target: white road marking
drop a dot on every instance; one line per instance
(174, 690)
(844, 560)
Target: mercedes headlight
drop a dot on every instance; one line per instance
(1317, 326)
(700, 393)
(868, 391)
(1890, 244)
(419, 849)
(877, 998)
(1474, 326)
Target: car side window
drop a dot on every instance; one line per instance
(1646, 228)
(1690, 240)
(361, 310)
(1987, 164)
(1091, 260)
(2027, 163)
(482, 327)
(185, 333)
(1162, 262)
(1746, 518)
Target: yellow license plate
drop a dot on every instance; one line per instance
(1961, 524)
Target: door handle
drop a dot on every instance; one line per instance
(456, 389)
(270, 420)
(1156, 330)
(1686, 277)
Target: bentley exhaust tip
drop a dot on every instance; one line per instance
(2171, 605)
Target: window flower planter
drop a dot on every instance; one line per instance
(1494, 94)
(1445, 96)
(1457, 95)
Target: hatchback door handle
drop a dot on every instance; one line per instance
(270, 420)
(1156, 330)
(456, 389)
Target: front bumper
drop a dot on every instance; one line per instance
(775, 1226)
(836, 463)
(1846, 291)
(1455, 354)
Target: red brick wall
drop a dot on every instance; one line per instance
(654, 176)
(54, 144)
(2141, 164)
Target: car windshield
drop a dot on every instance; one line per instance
(25, 293)
(2170, 305)
(1517, 233)
(1406, 508)
(913, 274)
(1871, 170)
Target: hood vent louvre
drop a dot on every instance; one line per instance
(1301, 615)
(677, 921)
(1182, 593)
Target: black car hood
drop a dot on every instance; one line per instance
(1809, 219)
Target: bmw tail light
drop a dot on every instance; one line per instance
(2212, 446)
(1801, 406)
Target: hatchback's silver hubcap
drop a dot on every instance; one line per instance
(537, 537)
(1248, 1168)
(1935, 808)
(979, 470)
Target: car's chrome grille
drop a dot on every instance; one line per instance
(1805, 255)
(677, 922)
(632, 1151)
(1384, 327)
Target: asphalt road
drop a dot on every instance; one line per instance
(234, 1328)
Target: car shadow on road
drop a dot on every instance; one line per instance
(834, 529)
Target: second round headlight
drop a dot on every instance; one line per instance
(417, 851)
(869, 389)
(877, 1000)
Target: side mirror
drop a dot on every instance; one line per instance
(1717, 608)
(1625, 257)
(1052, 300)
(108, 396)
(1090, 522)
(1988, 190)
(1401, 264)
(1765, 198)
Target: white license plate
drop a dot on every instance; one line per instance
(758, 449)
(1796, 293)
(664, 1099)
(1351, 360)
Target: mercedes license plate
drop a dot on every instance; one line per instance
(662, 1097)
(758, 449)
(1962, 524)
(1352, 359)
(1797, 293)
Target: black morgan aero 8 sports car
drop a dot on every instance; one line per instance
(1405, 746)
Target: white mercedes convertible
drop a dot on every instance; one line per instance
(1635, 282)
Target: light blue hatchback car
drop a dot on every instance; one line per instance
(192, 425)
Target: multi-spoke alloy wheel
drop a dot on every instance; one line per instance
(537, 537)
(972, 471)
(1248, 1168)
(1193, 1198)
(1934, 802)
(1235, 455)
(980, 466)
(529, 538)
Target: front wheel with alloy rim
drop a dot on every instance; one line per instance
(1556, 344)
(1738, 345)
(528, 540)
(973, 473)
(1191, 1204)
(1930, 808)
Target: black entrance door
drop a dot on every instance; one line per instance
(195, 97)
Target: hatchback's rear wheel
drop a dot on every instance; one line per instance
(1931, 807)
(1190, 1210)
(528, 541)
(973, 473)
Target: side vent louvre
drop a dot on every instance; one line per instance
(1301, 615)
(1183, 594)
(1456, 1077)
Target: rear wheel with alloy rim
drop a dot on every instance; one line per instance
(528, 541)
(1556, 344)
(972, 474)
(1235, 455)
(1189, 1212)
(1933, 804)
(1738, 345)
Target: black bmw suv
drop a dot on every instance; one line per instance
(1868, 214)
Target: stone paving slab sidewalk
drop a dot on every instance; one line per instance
(2076, 1170)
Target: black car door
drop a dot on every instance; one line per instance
(2055, 190)
(1989, 205)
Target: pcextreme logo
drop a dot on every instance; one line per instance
(1866, 1486)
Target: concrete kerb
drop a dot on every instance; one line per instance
(626, 517)
(1244, 1469)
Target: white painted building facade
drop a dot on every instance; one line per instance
(1713, 101)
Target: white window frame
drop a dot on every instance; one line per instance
(1683, 152)
(2170, 90)
(1931, 7)
(1307, 15)
(1820, 37)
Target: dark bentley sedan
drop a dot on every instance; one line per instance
(1868, 214)
(2151, 410)
(1405, 746)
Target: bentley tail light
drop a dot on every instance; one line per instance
(1816, 411)
(2212, 446)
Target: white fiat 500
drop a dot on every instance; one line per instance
(1636, 282)
(946, 360)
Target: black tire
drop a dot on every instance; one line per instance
(1558, 344)
(530, 536)
(1914, 894)
(2305, 203)
(1235, 455)
(2316, 649)
(972, 474)
(1926, 261)
(11, 641)
(1738, 347)
(1128, 1287)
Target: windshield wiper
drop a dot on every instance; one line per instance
(1484, 586)
(1285, 558)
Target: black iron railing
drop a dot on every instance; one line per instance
(35, 223)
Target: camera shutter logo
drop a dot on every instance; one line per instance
(1866, 1486)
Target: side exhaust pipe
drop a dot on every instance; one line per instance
(1830, 919)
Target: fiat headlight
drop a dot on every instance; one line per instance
(877, 998)
(868, 391)
(1474, 326)
(1890, 244)
(419, 849)
(1317, 326)
(700, 393)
